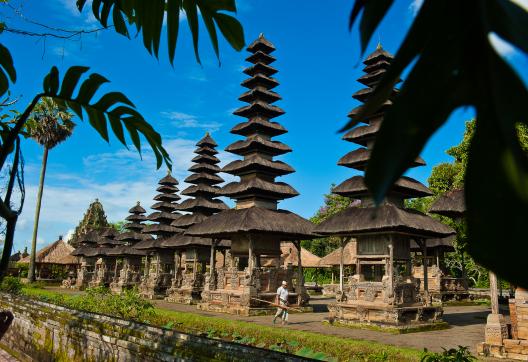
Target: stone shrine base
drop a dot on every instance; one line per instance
(511, 348)
(387, 318)
(184, 296)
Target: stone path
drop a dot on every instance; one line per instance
(467, 326)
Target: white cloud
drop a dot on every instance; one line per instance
(86, 15)
(415, 6)
(69, 235)
(502, 47)
(184, 120)
(117, 179)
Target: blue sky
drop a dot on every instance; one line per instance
(318, 61)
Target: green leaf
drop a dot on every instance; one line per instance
(231, 29)
(209, 24)
(113, 107)
(192, 19)
(7, 69)
(71, 79)
(509, 20)
(373, 13)
(173, 25)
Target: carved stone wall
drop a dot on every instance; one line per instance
(46, 332)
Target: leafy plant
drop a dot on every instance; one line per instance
(11, 285)
(453, 64)
(460, 354)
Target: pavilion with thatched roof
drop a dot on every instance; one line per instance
(159, 263)
(255, 227)
(383, 290)
(128, 263)
(192, 254)
(106, 263)
(54, 261)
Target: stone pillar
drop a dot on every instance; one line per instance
(521, 306)
(391, 271)
(496, 330)
(494, 293)
(341, 266)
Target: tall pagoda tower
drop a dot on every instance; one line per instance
(191, 254)
(128, 270)
(159, 262)
(256, 226)
(94, 219)
(383, 290)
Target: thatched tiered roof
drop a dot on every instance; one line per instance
(166, 205)
(334, 258)
(93, 219)
(390, 217)
(257, 193)
(451, 204)
(58, 252)
(203, 191)
(133, 235)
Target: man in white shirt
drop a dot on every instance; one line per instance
(282, 301)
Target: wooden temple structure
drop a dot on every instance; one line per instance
(105, 265)
(255, 226)
(53, 261)
(128, 259)
(383, 291)
(191, 255)
(87, 253)
(159, 262)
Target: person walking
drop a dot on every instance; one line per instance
(281, 300)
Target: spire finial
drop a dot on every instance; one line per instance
(137, 203)
(379, 47)
(206, 133)
(261, 35)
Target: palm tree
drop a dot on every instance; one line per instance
(49, 125)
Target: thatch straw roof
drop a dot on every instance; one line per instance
(289, 256)
(385, 218)
(58, 252)
(451, 204)
(254, 220)
(185, 241)
(355, 186)
(334, 258)
(444, 243)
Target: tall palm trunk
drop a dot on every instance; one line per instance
(31, 272)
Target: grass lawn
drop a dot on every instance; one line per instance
(309, 344)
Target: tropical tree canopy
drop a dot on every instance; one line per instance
(453, 64)
(48, 124)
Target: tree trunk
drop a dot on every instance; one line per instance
(31, 272)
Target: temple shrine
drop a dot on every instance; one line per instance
(127, 272)
(383, 290)
(159, 263)
(191, 255)
(255, 226)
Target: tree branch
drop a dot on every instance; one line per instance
(13, 134)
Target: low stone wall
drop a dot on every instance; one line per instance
(47, 332)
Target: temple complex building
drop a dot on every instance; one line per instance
(383, 291)
(159, 262)
(191, 255)
(128, 260)
(93, 219)
(88, 254)
(105, 264)
(255, 226)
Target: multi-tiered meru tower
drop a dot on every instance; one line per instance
(191, 254)
(128, 263)
(255, 227)
(159, 262)
(383, 290)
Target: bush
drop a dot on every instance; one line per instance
(128, 305)
(23, 269)
(460, 354)
(11, 285)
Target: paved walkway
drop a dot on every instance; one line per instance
(6, 357)
(467, 326)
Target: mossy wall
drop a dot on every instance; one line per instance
(47, 332)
